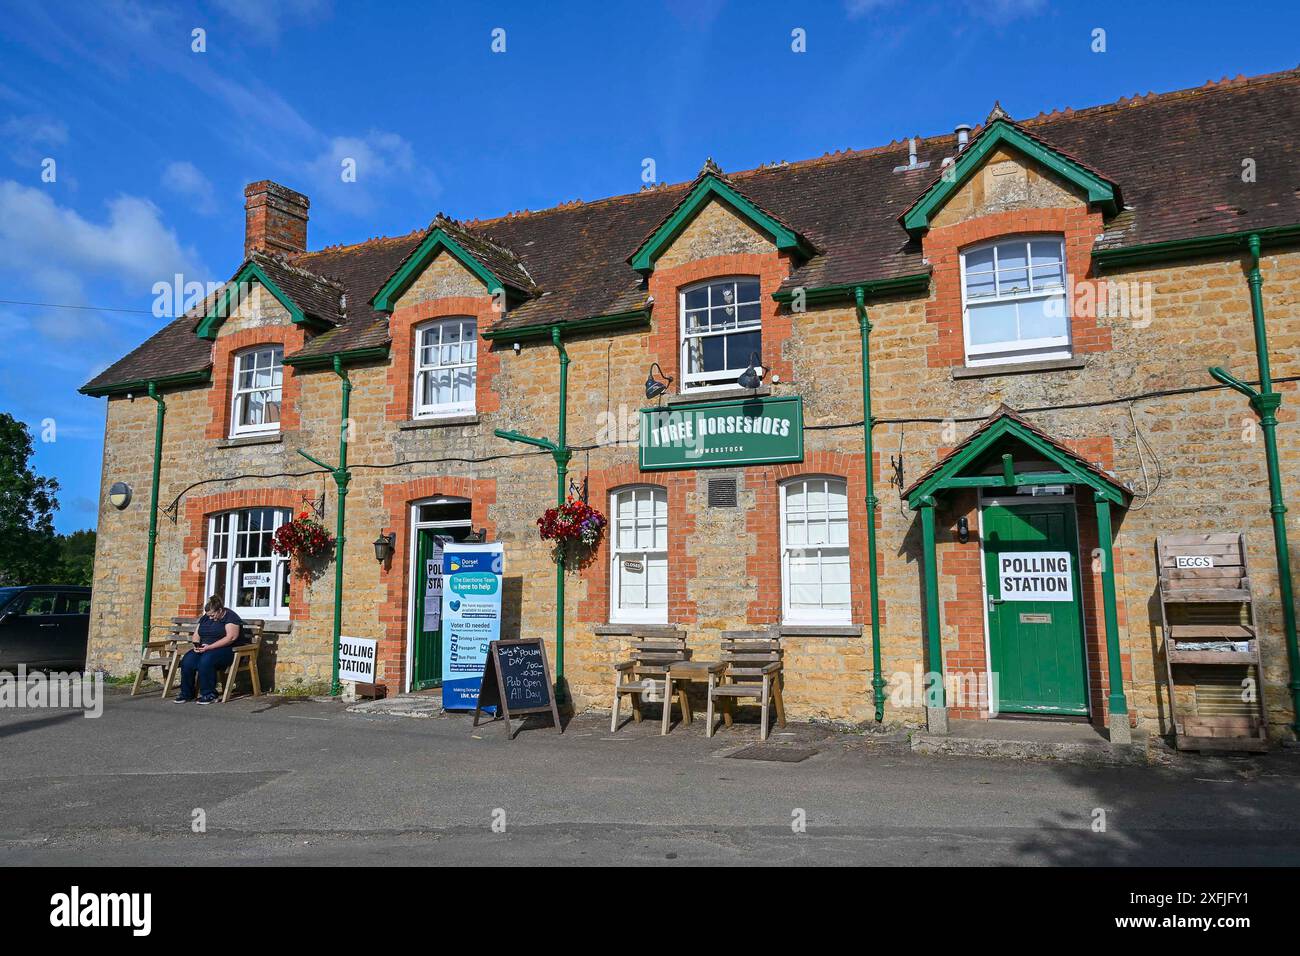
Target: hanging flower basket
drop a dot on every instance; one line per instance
(303, 537)
(573, 523)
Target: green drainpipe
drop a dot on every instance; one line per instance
(1266, 402)
(561, 454)
(341, 477)
(877, 678)
(160, 414)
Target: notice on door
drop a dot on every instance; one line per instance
(433, 585)
(1035, 576)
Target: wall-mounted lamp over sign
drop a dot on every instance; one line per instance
(752, 377)
(654, 387)
(385, 544)
(119, 495)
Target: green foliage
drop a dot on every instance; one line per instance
(29, 548)
(76, 558)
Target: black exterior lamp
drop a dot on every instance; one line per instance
(654, 387)
(385, 544)
(963, 529)
(477, 537)
(751, 377)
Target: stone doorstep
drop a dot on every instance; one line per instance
(402, 705)
(1031, 740)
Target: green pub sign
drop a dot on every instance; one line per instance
(746, 431)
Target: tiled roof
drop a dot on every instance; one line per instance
(317, 296)
(1176, 156)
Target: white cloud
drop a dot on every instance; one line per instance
(57, 248)
(380, 159)
(29, 139)
(187, 180)
(263, 21)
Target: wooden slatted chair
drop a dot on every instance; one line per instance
(162, 653)
(245, 658)
(645, 674)
(754, 663)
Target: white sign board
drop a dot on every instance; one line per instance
(1193, 561)
(259, 580)
(357, 659)
(1035, 576)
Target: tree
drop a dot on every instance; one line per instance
(76, 558)
(29, 550)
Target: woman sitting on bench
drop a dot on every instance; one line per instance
(215, 640)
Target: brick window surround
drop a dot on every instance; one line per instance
(764, 523)
(197, 512)
(963, 618)
(398, 499)
(666, 284)
(943, 247)
(602, 482)
(224, 349)
(401, 367)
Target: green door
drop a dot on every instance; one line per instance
(1031, 576)
(426, 663)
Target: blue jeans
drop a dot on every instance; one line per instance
(206, 666)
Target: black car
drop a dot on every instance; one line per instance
(44, 626)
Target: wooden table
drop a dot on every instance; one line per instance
(688, 671)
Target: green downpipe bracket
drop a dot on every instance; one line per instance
(868, 423)
(147, 613)
(341, 477)
(1265, 402)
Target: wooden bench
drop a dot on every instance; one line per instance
(245, 657)
(753, 669)
(646, 673)
(162, 652)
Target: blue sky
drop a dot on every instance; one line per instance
(153, 142)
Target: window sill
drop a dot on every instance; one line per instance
(616, 629)
(272, 438)
(441, 421)
(719, 395)
(1017, 368)
(818, 630)
(270, 625)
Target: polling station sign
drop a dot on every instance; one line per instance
(1035, 576)
(471, 618)
(357, 659)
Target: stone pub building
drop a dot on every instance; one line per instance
(1031, 307)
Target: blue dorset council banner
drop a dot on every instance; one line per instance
(471, 618)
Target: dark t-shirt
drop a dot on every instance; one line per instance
(211, 631)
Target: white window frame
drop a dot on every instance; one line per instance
(813, 615)
(238, 394)
(279, 563)
(1021, 350)
(617, 555)
(724, 378)
(443, 409)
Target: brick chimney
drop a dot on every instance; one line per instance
(275, 219)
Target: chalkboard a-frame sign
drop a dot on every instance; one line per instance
(517, 679)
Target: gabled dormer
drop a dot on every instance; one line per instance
(711, 185)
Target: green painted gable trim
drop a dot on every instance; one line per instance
(252, 272)
(1000, 132)
(141, 385)
(710, 187)
(950, 473)
(437, 241)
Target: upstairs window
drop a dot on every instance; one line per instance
(259, 379)
(446, 367)
(1014, 301)
(721, 332)
(250, 578)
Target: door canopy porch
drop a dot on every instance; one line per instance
(1008, 452)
